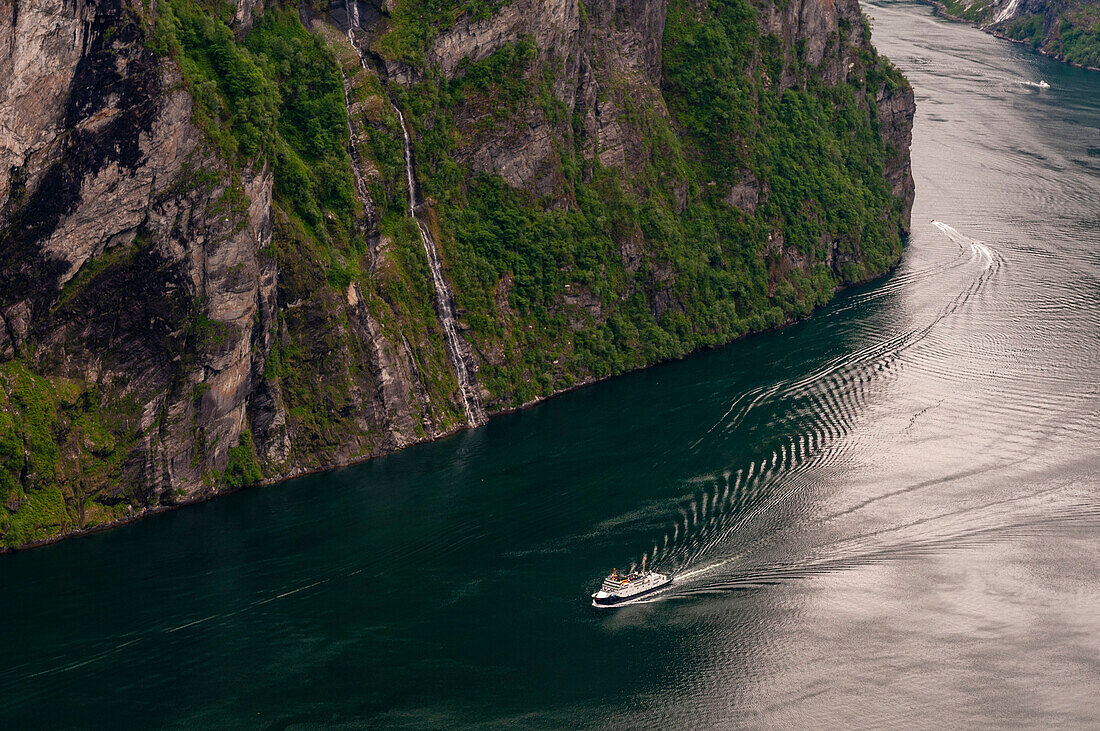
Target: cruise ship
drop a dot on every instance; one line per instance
(619, 589)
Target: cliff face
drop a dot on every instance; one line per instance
(612, 58)
(139, 296)
(133, 296)
(1067, 30)
(211, 277)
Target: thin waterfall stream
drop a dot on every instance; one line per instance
(352, 9)
(360, 186)
(471, 402)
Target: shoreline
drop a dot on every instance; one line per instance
(150, 512)
(941, 11)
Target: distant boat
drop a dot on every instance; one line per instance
(617, 589)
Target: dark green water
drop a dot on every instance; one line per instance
(887, 515)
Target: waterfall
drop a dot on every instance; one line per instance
(471, 403)
(360, 186)
(351, 9)
(1008, 12)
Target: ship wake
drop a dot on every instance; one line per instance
(720, 534)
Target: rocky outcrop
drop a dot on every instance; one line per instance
(896, 110)
(811, 24)
(554, 25)
(40, 47)
(245, 9)
(618, 40)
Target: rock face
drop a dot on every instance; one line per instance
(135, 273)
(153, 348)
(612, 60)
(896, 109)
(133, 263)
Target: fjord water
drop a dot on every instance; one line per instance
(885, 515)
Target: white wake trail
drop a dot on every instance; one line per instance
(696, 573)
(951, 233)
(978, 250)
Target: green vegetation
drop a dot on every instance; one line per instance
(277, 96)
(711, 272)
(59, 449)
(1029, 29)
(243, 467)
(1073, 34)
(414, 23)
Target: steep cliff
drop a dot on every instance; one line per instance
(213, 275)
(1067, 30)
(623, 183)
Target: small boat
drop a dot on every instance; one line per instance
(1043, 84)
(619, 589)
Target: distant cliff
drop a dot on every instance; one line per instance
(211, 276)
(1068, 30)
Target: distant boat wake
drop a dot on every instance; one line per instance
(977, 248)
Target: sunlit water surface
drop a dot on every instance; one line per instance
(887, 515)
